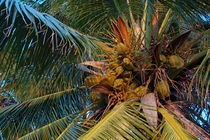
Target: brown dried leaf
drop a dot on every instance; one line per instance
(102, 88)
(155, 25)
(123, 31)
(117, 32)
(177, 42)
(96, 64)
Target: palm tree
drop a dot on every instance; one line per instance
(74, 86)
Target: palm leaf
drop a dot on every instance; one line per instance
(188, 10)
(22, 118)
(147, 22)
(201, 80)
(172, 129)
(93, 17)
(166, 22)
(123, 122)
(35, 45)
(68, 126)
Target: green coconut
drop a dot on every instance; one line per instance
(163, 89)
(163, 58)
(176, 62)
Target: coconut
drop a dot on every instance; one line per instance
(130, 95)
(141, 90)
(108, 80)
(92, 80)
(133, 86)
(163, 89)
(119, 70)
(128, 65)
(127, 79)
(121, 48)
(98, 98)
(118, 83)
(110, 72)
(176, 62)
(114, 65)
(127, 61)
(127, 74)
(163, 58)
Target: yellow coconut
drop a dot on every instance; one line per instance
(110, 72)
(176, 61)
(163, 89)
(114, 65)
(127, 79)
(128, 65)
(130, 95)
(133, 86)
(108, 80)
(121, 48)
(119, 70)
(141, 90)
(92, 80)
(127, 61)
(127, 74)
(118, 83)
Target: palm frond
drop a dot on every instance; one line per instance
(166, 21)
(147, 22)
(172, 129)
(200, 80)
(22, 118)
(35, 45)
(68, 126)
(123, 122)
(90, 16)
(189, 10)
(93, 17)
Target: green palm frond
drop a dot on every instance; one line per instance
(68, 126)
(166, 22)
(62, 38)
(172, 129)
(201, 81)
(32, 114)
(90, 16)
(189, 10)
(123, 122)
(35, 45)
(93, 16)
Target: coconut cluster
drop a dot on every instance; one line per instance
(133, 70)
(120, 77)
